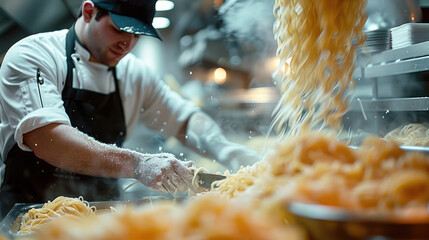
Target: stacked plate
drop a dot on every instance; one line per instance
(376, 41)
(409, 33)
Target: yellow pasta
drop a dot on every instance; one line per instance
(414, 134)
(34, 219)
(316, 42)
(207, 217)
(316, 168)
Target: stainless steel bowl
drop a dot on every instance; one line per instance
(323, 222)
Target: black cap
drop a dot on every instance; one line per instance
(131, 16)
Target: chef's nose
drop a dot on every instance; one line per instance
(126, 41)
(124, 44)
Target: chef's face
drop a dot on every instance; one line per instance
(106, 42)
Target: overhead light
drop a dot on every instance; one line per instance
(164, 5)
(160, 22)
(220, 76)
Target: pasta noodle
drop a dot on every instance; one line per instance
(316, 42)
(195, 178)
(207, 217)
(414, 134)
(316, 168)
(34, 219)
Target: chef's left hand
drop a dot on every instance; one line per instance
(234, 155)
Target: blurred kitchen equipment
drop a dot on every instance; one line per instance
(324, 222)
(391, 86)
(206, 179)
(385, 14)
(408, 34)
(376, 41)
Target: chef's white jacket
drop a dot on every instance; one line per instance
(144, 95)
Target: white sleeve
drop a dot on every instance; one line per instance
(28, 105)
(166, 111)
(2, 170)
(161, 109)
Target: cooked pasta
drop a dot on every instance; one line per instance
(36, 218)
(207, 217)
(413, 134)
(316, 42)
(195, 178)
(315, 168)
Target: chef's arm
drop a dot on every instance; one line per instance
(66, 147)
(202, 134)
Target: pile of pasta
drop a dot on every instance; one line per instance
(412, 134)
(315, 168)
(316, 40)
(207, 217)
(36, 218)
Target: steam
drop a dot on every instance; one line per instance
(250, 24)
(249, 19)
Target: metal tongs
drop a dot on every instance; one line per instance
(205, 180)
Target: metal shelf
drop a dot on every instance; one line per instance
(410, 59)
(391, 104)
(413, 58)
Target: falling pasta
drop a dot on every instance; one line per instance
(316, 42)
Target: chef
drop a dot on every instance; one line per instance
(69, 99)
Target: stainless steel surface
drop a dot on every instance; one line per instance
(415, 149)
(324, 222)
(391, 104)
(409, 52)
(206, 179)
(395, 61)
(417, 64)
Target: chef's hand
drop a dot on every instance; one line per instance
(204, 135)
(234, 155)
(163, 172)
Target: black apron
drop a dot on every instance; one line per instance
(29, 179)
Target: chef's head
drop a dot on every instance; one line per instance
(110, 29)
(131, 16)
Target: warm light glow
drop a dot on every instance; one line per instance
(220, 76)
(164, 5)
(272, 65)
(160, 22)
(217, 3)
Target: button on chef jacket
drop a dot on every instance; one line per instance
(145, 96)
